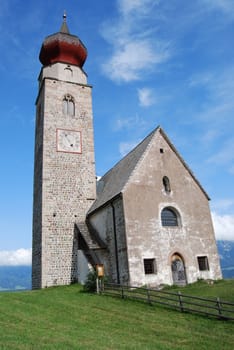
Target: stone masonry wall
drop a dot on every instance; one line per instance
(37, 204)
(68, 180)
(144, 198)
(109, 223)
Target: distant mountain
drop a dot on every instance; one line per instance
(226, 254)
(15, 278)
(19, 277)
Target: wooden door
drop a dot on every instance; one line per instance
(178, 270)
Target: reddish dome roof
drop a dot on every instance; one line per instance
(63, 47)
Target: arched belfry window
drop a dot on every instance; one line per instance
(68, 105)
(169, 217)
(166, 184)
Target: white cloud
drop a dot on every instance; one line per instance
(130, 60)
(223, 226)
(223, 205)
(139, 41)
(225, 154)
(136, 49)
(210, 136)
(231, 169)
(16, 257)
(205, 78)
(217, 87)
(227, 6)
(123, 123)
(216, 114)
(125, 147)
(143, 6)
(129, 123)
(146, 97)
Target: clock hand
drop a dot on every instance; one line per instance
(70, 140)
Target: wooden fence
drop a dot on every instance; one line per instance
(185, 303)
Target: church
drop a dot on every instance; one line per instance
(147, 220)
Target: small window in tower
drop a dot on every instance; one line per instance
(166, 184)
(203, 263)
(68, 105)
(149, 266)
(69, 72)
(161, 150)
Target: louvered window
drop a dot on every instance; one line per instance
(169, 217)
(68, 105)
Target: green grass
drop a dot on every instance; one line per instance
(67, 318)
(224, 289)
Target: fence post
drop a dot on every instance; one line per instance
(219, 306)
(97, 285)
(148, 296)
(122, 292)
(180, 302)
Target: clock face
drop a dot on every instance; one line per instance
(68, 141)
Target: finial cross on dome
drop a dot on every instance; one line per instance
(64, 16)
(64, 28)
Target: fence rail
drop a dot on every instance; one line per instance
(185, 303)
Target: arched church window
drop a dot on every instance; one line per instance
(166, 184)
(169, 217)
(68, 105)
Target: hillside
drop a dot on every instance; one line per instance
(67, 318)
(15, 277)
(226, 253)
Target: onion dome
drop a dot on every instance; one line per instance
(63, 47)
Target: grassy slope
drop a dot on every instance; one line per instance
(222, 288)
(67, 318)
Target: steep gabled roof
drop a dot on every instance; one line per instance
(113, 182)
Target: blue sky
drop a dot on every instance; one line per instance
(151, 63)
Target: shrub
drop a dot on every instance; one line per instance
(90, 283)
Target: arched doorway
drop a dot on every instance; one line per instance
(178, 270)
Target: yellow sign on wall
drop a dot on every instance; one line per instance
(100, 270)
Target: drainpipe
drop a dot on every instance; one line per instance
(116, 243)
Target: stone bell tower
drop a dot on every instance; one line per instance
(64, 173)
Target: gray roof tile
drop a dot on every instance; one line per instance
(112, 183)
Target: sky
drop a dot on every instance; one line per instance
(150, 62)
